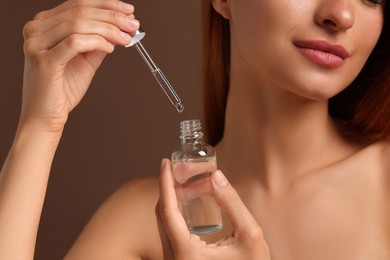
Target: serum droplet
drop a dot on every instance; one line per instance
(179, 107)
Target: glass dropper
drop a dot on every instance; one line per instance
(156, 71)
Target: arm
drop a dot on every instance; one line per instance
(63, 49)
(124, 227)
(23, 182)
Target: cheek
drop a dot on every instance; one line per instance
(256, 25)
(256, 17)
(369, 32)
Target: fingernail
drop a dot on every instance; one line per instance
(133, 22)
(111, 46)
(220, 179)
(125, 36)
(162, 164)
(126, 7)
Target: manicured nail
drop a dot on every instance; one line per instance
(133, 22)
(111, 46)
(125, 36)
(220, 179)
(163, 162)
(128, 8)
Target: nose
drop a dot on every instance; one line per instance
(335, 15)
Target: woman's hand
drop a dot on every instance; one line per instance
(63, 49)
(245, 242)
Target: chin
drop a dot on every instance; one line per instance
(314, 85)
(319, 93)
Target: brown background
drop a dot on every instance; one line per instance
(123, 126)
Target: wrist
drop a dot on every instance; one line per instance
(49, 127)
(40, 129)
(31, 140)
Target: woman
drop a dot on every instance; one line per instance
(307, 185)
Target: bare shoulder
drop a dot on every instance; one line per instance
(384, 148)
(378, 158)
(124, 227)
(381, 150)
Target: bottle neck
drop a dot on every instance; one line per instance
(191, 132)
(191, 140)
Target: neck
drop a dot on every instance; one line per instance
(276, 136)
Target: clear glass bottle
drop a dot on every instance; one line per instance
(192, 167)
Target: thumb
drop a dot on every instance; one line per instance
(231, 204)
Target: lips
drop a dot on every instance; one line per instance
(323, 53)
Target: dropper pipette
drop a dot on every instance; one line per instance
(156, 71)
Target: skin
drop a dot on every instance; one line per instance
(301, 185)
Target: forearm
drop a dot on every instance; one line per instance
(23, 183)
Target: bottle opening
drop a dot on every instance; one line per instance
(191, 129)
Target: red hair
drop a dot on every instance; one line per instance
(365, 104)
(216, 66)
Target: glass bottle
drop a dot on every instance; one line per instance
(192, 166)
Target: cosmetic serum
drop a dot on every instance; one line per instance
(192, 167)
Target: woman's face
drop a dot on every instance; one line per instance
(314, 48)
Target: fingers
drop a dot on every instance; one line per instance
(65, 51)
(166, 244)
(77, 17)
(241, 219)
(246, 242)
(171, 218)
(109, 32)
(51, 27)
(101, 4)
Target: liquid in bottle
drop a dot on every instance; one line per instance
(192, 167)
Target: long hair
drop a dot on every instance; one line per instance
(216, 66)
(365, 104)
